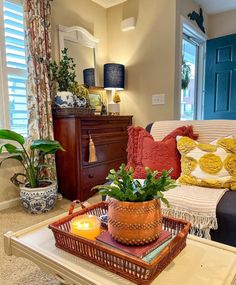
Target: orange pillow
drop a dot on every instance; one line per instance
(157, 155)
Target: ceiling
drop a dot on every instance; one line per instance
(210, 6)
(216, 6)
(108, 3)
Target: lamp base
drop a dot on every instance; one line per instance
(114, 114)
(114, 109)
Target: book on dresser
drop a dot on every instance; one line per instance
(76, 176)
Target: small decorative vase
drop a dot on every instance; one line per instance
(134, 223)
(64, 99)
(39, 200)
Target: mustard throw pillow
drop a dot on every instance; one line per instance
(208, 165)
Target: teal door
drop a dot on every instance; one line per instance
(220, 81)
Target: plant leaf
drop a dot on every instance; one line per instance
(12, 136)
(10, 148)
(48, 146)
(165, 201)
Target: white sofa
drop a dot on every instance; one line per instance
(208, 131)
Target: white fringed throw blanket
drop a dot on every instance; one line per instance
(196, 205)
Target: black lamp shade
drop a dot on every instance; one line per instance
(114, 76)
(89, 76)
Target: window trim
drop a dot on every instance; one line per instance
(185, 24)
(5, 114)
(4, 99)
(4, 70)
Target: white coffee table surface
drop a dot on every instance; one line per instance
(202, 262)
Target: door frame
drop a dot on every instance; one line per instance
(186, 27)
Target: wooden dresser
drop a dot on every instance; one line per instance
(76, 176)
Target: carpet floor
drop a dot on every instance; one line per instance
(20, 271)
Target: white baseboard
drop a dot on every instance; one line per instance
(9, 204)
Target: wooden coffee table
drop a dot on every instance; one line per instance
(202, 262)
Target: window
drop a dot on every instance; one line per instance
(13, 65)
(192, 56)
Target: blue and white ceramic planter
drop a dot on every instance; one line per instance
(39, 200)
(64, 99)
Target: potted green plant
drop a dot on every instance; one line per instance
(63, 74)
(38, 195)
(134, 212)
(81, 94)
(185, 74)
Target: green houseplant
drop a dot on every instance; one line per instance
(63, 75)
(81, 94)
(185, 74)
(37, 194)
(134, 207)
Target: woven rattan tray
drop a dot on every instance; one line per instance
(127, 266)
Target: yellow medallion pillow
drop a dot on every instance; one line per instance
(208, 165)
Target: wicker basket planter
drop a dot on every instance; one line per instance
(134, 223)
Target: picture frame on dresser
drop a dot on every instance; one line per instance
(97, 97)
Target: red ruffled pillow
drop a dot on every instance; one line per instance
(143, 151)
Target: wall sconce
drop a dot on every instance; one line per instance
(114, 80)
(128, 24)
(89, 76)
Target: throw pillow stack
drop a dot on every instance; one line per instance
(193, 163)
(143, 151)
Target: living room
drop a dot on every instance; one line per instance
(175, 62)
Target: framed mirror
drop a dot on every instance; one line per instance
(82, 47)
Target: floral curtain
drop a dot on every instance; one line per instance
(38, 37)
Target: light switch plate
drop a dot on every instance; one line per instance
(158, 99)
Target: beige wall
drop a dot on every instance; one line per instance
(222, 24)
(7, 190)
(151, 54)
(83, 13)
(148, 53)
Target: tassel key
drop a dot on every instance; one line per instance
(92, 151)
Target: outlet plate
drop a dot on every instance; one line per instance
(158, 99)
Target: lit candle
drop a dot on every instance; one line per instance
(86, 226)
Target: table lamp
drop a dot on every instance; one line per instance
(89, 76)
(114, 80)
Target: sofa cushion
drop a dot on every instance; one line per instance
(226, 219)
(144, 151)
(208, 165)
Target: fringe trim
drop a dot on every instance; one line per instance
(201, 223)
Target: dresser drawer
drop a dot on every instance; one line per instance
(115, 125)
(106, 152)
(96, 175)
